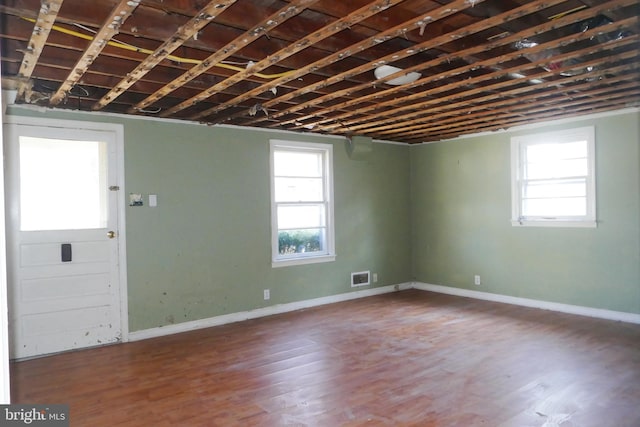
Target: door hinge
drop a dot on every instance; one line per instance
(114, 188)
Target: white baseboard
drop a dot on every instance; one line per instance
(284, 308)
(261, 312)
(526, 302)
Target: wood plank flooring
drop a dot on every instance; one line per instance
(409, 358)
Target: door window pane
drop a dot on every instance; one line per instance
(63, 184)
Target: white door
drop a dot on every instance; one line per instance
(62, 232)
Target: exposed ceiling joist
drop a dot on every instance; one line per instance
(191, 28)
(43, 24)
(424, 46)
(397, 31)
(517, 107)
(500, 90)
(324, 32)
(260, 29)
(460, 102)
(312, 65)
(109, 29)
(390, 107)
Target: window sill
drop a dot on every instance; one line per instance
(554, 224)
(302, 260)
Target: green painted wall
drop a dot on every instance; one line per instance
(206, 251)
(436, 213)
(461, 208)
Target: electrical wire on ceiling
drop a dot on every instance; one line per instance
(179, 59)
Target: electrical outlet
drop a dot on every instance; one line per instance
(267, 294)
(375, 277)
(476, 279)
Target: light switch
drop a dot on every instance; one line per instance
(153, 200)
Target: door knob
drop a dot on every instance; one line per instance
(111, 234)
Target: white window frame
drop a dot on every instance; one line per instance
(303, 258)
(518, 145)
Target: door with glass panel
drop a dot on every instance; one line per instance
(62, 235)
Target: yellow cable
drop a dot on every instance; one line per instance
(563, 14)
(149, 52)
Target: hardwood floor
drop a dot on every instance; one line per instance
(401, 359)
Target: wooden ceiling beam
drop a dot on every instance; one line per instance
(120, 60)
(441, 119)
(454, 105)
(424, 46)
(438, 41)
(500, 114)
(503, 89)
(498, 92)
(277, 18)
(185, 32)
(559, 106)
(478, 11)
(110, 28)
(396, 31)
(41, 29)
(242, 15)
(358, 15)
(148, 28)
(499, 125)
(472, 81)
(613, 15)
(50, 75)
(541, 63)
(540, 29)
(516, 107)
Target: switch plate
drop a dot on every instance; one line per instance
(375, 277)
(267, 294)
(153, 200)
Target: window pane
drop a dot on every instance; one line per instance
(297, 163)
(556, 169)
(301, 241)
(556, 151)
(574, 206)
(302, 216)
(62, 184)
(299, 189)
(554, 189)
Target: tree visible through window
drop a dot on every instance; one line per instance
(302, 210)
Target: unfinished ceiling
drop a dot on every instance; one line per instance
(408, 71)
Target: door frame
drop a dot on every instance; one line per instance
(5, 389)
(118, 131)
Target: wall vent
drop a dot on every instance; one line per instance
(361, 278)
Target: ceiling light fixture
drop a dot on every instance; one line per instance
(386, 70)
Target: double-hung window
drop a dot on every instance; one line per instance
(301, 203)
(553, 179)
